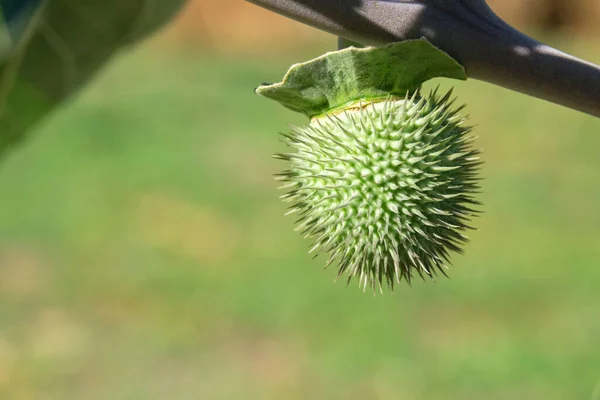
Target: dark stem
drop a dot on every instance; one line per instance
(488, 48)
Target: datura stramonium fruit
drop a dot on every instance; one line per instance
(382, 178)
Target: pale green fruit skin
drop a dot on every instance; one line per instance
(384, 186)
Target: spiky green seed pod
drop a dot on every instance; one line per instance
(384, 185)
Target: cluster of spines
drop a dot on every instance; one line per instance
(385, 187)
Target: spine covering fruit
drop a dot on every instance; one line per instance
(382, 178)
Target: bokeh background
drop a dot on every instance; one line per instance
(144, 253)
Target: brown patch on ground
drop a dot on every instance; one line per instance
(22, 272)
(192, 230)
(56, 334)
(232, 25)
(517, 12)
(570, 16)
(118, 309)
(8, 360)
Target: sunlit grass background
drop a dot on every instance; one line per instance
(144, 253)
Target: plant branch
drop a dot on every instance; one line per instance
(468, 30)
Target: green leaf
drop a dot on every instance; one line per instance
(64, 45)
(349, 75)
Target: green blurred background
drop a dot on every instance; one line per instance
(144, 253)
